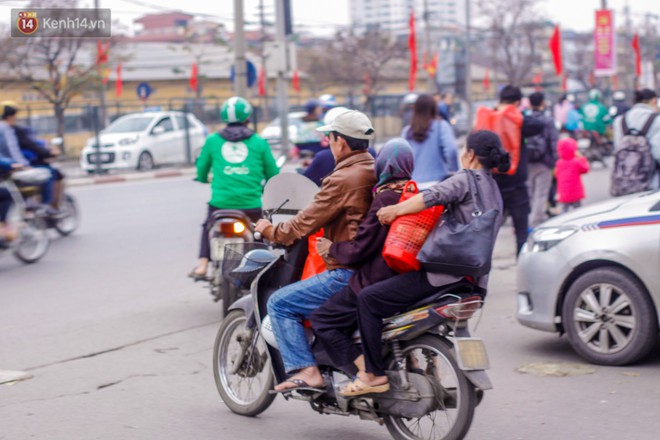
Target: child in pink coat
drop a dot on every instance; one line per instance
(568, 171)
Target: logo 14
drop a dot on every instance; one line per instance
(27, 23)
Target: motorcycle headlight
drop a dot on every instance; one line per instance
(128, 141)
(545, 238)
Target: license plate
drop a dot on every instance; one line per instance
(218, 247)
(471, 354)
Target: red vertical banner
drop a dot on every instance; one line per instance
(638, 55)
(262, 81)
(118, 82)
(538, 79)
(486, 81)
(555, 49)
(412, 47)
(296, 80)
(193, 81)
(604, 44)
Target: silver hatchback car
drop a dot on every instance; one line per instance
(594, 274)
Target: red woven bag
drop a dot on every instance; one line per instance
(408, 233)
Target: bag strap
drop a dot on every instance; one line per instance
(647, 126)
(624, 126)
(476, 197)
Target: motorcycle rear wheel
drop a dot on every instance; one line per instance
(435, 358)
(237, 389)
(33, 242)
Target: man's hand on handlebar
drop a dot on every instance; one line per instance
(265, 228)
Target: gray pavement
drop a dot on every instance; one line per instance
(119, 343)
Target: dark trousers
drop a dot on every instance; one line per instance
(204, 246)
(382, 300)
(5, 203)
(334, 323)
(516, 204)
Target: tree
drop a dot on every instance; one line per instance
(513, 29)
(57, 68)
(357, 63)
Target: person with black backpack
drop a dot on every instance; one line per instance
(637, 147)
(541, 158)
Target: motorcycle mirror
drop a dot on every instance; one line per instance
(280, 161)
(57, 141)
(613, 111)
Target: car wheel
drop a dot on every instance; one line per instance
(609, 317)
(145, 162)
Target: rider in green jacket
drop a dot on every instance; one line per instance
(241, 162)
(595, 116)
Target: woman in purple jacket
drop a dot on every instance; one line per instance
(335, 321)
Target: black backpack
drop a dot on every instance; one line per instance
(634, 165)
(537, 148)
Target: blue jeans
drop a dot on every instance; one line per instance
(288, 306)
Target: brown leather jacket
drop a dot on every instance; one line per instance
(339, 207)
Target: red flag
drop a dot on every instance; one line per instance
(538, 79)
(102, 51)
(638, 55)
(262, 81)
(118, 83)
(296, 80)
(193, 78)
(486, 80)
(433, 67)
(555, 48)
(412, 46)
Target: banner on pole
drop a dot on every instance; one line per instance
(604, 44)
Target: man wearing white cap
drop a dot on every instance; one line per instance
(339, 208)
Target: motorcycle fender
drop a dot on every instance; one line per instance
(479, 379)
(246, 304)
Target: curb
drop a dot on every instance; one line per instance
(133, 177)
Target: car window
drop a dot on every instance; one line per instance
(181, 122)
(166, 123)
(656, 207)
(128, 125)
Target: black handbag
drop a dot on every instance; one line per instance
(462, 249)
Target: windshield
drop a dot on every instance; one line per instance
(128, 125)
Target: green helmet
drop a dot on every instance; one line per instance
(594, 95)
(235, 109)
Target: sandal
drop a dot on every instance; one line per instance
(197, 276)
(358, 388)
(300, 385)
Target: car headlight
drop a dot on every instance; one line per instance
(545, 238)
(128, 141)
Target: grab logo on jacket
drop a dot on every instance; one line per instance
(234, 152)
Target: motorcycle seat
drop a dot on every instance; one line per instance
(461, 287)
(231, 213)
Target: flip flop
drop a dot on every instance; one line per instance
(300, 385)
(358, 388)
(197, 276)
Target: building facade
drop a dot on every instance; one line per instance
(392, 16)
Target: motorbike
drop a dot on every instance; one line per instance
(593, 146)
(436, 369)
(31, 220)
(229, 226)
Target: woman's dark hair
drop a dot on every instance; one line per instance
(353, 143)
(425, 112)
(488, 149)
(644, 95)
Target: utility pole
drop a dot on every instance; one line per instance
(427, 44)
(264, 37)
(240, 62)
(468, 62)
(99, 113)
(603, 4)
(281, 12)
(102, 113)
(630, 61)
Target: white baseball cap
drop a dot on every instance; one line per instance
(352, 123)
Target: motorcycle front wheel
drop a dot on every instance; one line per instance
(457, 396)
(33, 241)
(241, 367)
(70, 218)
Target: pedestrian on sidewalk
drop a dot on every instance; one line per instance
(569, 169)
(541, 158)
(432, 139)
